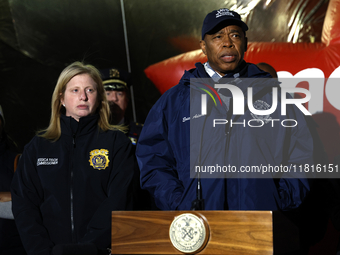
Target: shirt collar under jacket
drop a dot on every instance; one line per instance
(240, 71)
(214, 75)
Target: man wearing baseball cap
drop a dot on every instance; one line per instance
(164, 147)
(224, 42)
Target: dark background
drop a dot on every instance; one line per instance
(38, 38)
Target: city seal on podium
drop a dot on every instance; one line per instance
(188, 233)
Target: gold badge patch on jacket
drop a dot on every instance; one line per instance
(99, 159)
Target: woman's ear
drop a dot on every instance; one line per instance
(61, 99)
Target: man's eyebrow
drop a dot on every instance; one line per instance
(235, 31)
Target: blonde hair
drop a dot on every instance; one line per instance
(53, 131)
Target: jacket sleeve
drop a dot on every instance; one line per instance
(156, 160)
(119, 194)
(27, 196)
(298, 144)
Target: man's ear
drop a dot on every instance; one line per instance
(202, 44)
(246, 44)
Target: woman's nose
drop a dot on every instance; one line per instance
(83, 95)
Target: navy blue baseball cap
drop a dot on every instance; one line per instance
(216, 17)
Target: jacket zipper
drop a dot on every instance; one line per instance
(228, 140)
(228, 128)
(71, 192)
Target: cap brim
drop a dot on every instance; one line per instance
(117, 87)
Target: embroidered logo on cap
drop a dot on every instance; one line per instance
(99, 159)
(223, 12)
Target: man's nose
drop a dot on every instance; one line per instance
(115, 98)
(227, 42)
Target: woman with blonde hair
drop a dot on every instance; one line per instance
(74, 173)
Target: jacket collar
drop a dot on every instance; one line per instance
(85, 125)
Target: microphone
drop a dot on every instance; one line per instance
(77, 249)
(198, 203)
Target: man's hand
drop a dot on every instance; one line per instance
(5, 196)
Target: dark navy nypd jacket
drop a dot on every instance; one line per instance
(64, 192)
(163, 152)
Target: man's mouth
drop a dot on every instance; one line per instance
(228, 58)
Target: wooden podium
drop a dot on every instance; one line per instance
(229, 232)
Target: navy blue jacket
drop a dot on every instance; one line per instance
(163, 153)
(63, 192)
